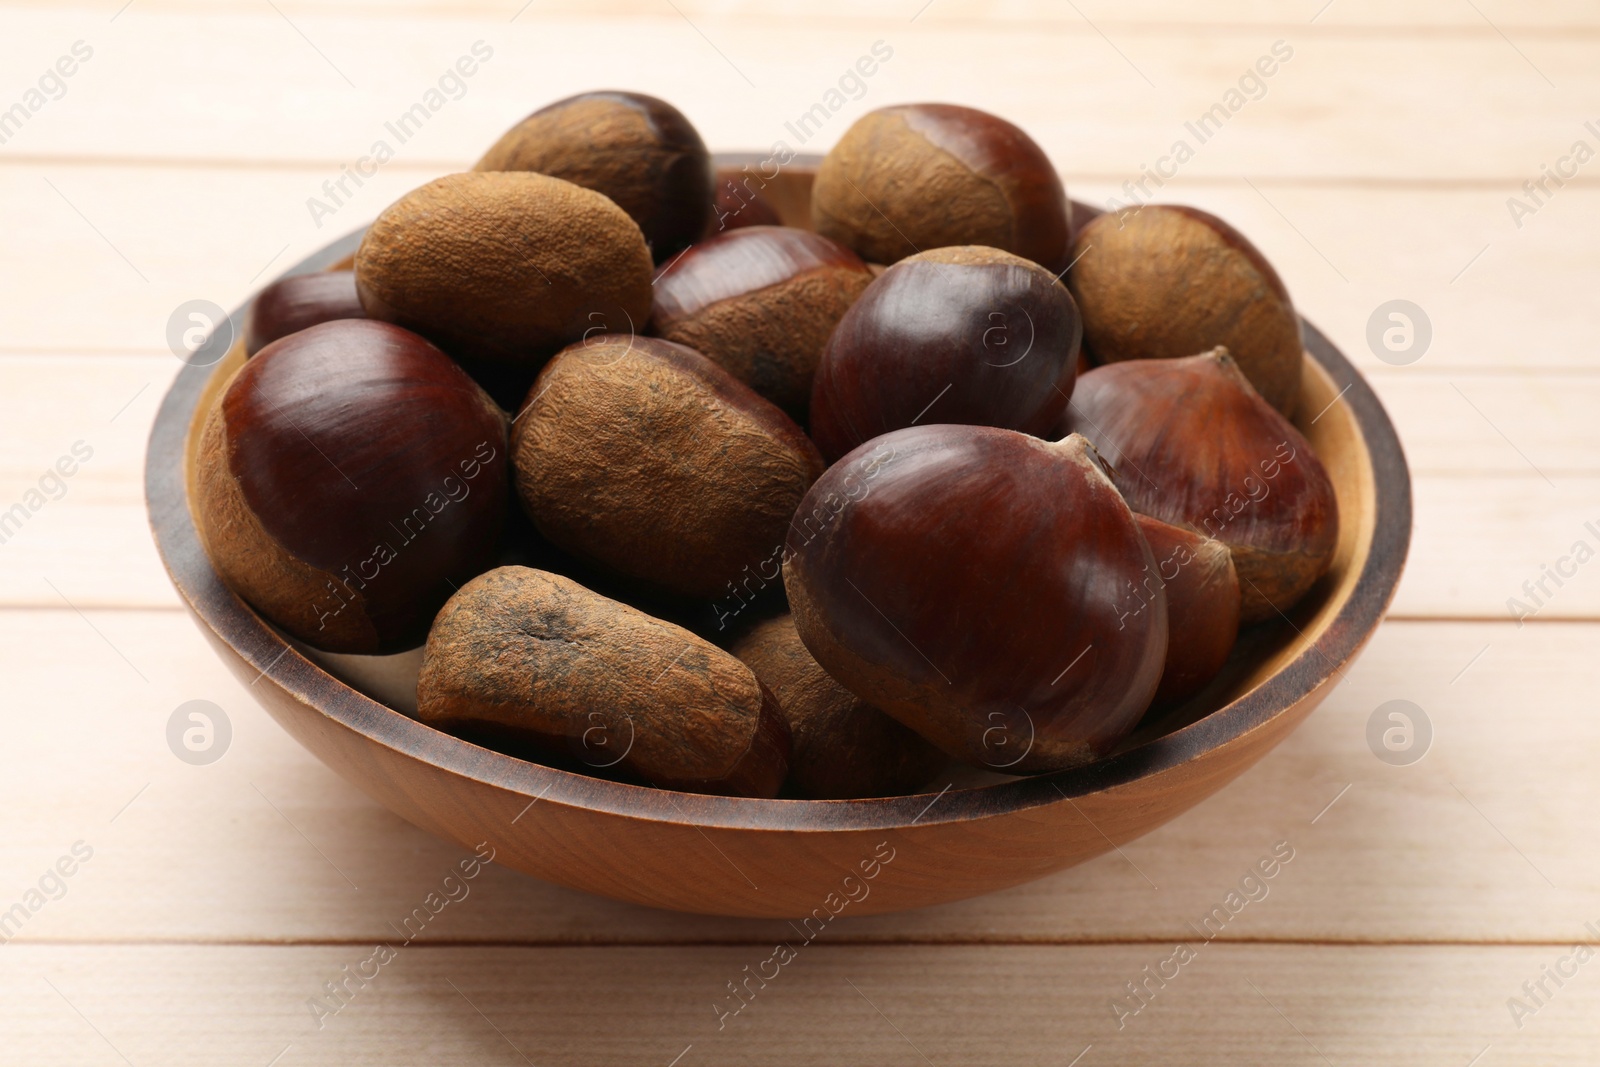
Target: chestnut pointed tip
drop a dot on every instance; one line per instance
(1072, 441)
(1226, 363)
(1076, 445)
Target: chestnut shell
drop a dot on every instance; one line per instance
(843, 747)
(504, 266)
(1202, 588)
(526, 659)
(914, 177)
(1192, 443)
(637, 149)
(647, 458)
(739, 202)
(967, 335)
(762, 302)
(350, 478)
(975, 584)
(291, 304)
(1165, 281)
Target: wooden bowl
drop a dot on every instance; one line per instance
(797, 858)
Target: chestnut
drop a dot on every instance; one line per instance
(522, 657)
(649, 459)
(1164, 282)
(915, 177)
(291, 304)
(1203, 602)
(762, 302)
(983, 587)
(504, 266)
(958, 335)
(739, 202)
(638, 150)
(349, 478)
(1192, 443)
(1081, 214)
(842, 747)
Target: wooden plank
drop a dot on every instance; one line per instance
(1495, 296)
(196, 181)
(1549, 15)
(201, 85)
(268, 845)
(1493, 424)
(80, 538)
(146, 241)
(1480, 542)
(1406, 1005)
(1401, 15)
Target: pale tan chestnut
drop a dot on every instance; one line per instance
(915, 177)
(1165, 282)
(504, 266)
(649, 459)
(639, 151)
(524, 656)
(843, 746)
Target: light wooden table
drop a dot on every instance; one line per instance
(217, 900)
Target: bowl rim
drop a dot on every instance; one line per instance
(262, 648)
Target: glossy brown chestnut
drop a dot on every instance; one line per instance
(738, 205)
(957, 335)
(1202, 590)
(843, 747)
(977, 584)
(1165, 282)
(743, 200)
(913, 177)
(1082, 214)
(649, 459)
(761, 302)
(351, 476)
(1193, 444)
(506, 267)
(638, 150)
(291, 304)
(531, 658)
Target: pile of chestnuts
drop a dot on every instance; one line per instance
(673, 493)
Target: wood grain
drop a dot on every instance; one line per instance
(1130, 92)
(1497, 297)
(999, 1005)
(1402, 15)
(1390, 146)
